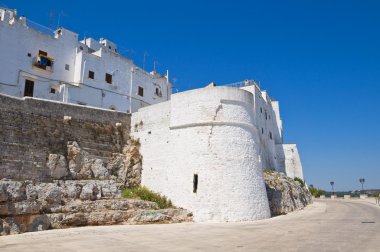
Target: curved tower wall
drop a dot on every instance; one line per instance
(209, 134)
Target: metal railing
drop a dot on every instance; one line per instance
(244, 83)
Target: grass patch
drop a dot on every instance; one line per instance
(144, 193)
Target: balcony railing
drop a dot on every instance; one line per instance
(44, 62)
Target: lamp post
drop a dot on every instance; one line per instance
(362, 180)
(332, 186)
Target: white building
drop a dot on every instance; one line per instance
(206, 150)
(57, 66)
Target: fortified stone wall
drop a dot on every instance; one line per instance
(36, 135)
(201, 150)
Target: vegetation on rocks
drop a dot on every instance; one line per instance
(316, 192)
(143, 193)
(299, 180)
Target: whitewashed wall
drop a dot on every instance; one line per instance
(17, 40)
(293, 166)
(209, 132)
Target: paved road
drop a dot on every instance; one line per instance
(327, 225)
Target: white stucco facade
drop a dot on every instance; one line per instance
(57, 66)
(291, 160)
(195, 134)
(222, 137)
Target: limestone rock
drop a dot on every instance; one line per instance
(73, 189)
(98, 169)
(285, 194)
(34, 206)
(127, 165)
(50, 192)
(83, 166)
(3, 193)
(14, 190)
(74, 158)
(31, 192)
(90, 192)
(31, 223)
(57, 165)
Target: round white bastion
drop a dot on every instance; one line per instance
(202, 151)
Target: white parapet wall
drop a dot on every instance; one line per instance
(291, 160)
(202, 150)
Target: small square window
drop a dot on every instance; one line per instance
(67, 67)
(91, 75)
(52, 90)
(140, 91)
(29, 55)
(108, 78)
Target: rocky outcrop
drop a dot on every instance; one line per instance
(57, 166)
(32, 206)
(285, 194)
(124, 167)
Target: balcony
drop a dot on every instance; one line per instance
(44, 62)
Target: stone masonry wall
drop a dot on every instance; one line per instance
(35, 132)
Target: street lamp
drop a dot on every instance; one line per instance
(362, 180)
(332, 186)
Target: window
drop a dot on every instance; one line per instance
(52, 90)
(29, 55)
(91, 75)
(108, 78)
(158, 92)
(29, 88)
(140, 91)
(261, 110)
(67, 67)
(266, 116)
(270, 135)
(262, 130)
(195, 183)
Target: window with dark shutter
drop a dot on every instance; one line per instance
(108, 78)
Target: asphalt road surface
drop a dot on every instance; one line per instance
(326, 225)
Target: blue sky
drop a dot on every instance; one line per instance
(320, 59)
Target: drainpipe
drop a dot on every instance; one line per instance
(130, 91)
(84, 67)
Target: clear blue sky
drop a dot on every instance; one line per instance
(320, 59)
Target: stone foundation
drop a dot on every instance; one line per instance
(285, 194)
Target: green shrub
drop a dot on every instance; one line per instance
(300, 181)
(144, 193)
(316, 192)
